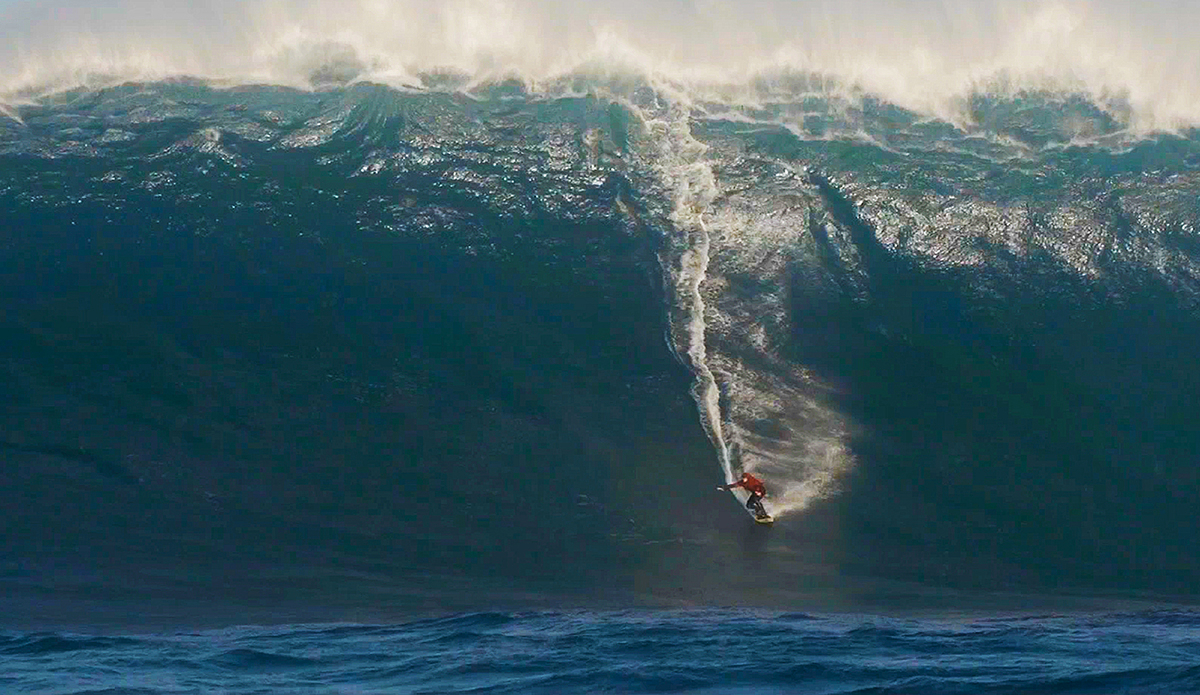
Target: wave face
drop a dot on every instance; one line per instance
(493, 336)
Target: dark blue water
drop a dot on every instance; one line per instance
(337, 361)
(710, 651)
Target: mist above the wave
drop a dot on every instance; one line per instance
(1133, 59)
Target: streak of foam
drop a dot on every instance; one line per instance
(695, 267)
(806, 463)
(689, 178)
(10, 113)
(758, 235)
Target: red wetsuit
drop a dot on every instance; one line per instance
(753, 485)
(757, 491)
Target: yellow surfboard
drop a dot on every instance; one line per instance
(741, 496)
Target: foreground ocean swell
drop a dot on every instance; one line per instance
(362, 347)
(630, 652)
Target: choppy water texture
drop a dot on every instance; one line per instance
(631, 652)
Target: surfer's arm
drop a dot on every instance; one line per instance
(730, 486)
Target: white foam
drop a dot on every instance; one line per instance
(1134, 58)
(679, 161)
(806, 460)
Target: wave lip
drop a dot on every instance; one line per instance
(931, 58)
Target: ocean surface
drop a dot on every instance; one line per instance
(399, 347)
(631, 652)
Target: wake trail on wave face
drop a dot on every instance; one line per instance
(732, 342)
(679, 161)
(932, 58)
(781, 425)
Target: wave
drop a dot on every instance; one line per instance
(407, 347)
(930, 58)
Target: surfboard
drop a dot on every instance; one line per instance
(741, 496)
(765, 518)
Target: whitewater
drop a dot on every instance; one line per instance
(927, 57)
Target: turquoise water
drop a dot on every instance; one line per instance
(273, 341)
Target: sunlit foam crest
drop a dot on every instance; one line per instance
(927, 56)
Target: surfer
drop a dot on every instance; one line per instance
(756, 489)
